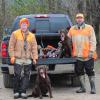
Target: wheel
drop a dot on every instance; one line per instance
(8, 80)
(52, 67)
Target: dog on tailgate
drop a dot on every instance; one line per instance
(42, 85)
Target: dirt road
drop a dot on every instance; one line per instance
(61, 92)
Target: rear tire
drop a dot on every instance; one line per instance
(8, 80)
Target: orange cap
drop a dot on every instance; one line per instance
(24, 20)
(79, 15)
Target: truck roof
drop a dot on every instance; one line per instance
(49, 15)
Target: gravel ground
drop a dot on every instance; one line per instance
(60, 92)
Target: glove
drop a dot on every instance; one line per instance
(90, 54)
(12, 60)
(34, 61)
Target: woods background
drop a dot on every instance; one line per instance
(11, 8)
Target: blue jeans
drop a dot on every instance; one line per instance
(21, 80)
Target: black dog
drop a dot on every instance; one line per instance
(66, 44)
(42, 85)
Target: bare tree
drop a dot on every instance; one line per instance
(2, 19)
(93, 13)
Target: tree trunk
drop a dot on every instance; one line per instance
(2, 23)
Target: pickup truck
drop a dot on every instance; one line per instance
(45, 27)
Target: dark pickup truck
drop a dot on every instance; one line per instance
(45, 27)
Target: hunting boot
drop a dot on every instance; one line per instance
(92, 84)
(82, 84)
(16, 95)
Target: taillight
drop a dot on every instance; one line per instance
(3, 46)
(4, 54)
(4, 49)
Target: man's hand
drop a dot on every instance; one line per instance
(12, 60)
(90, 54)
(34, 61)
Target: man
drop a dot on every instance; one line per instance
(22, 50)
(84, 49)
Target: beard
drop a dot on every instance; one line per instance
(80, 24)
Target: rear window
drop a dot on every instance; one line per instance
(58, 23)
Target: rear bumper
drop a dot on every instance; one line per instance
(59, 69)
(5, 68)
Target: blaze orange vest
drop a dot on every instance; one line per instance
(83, 40)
